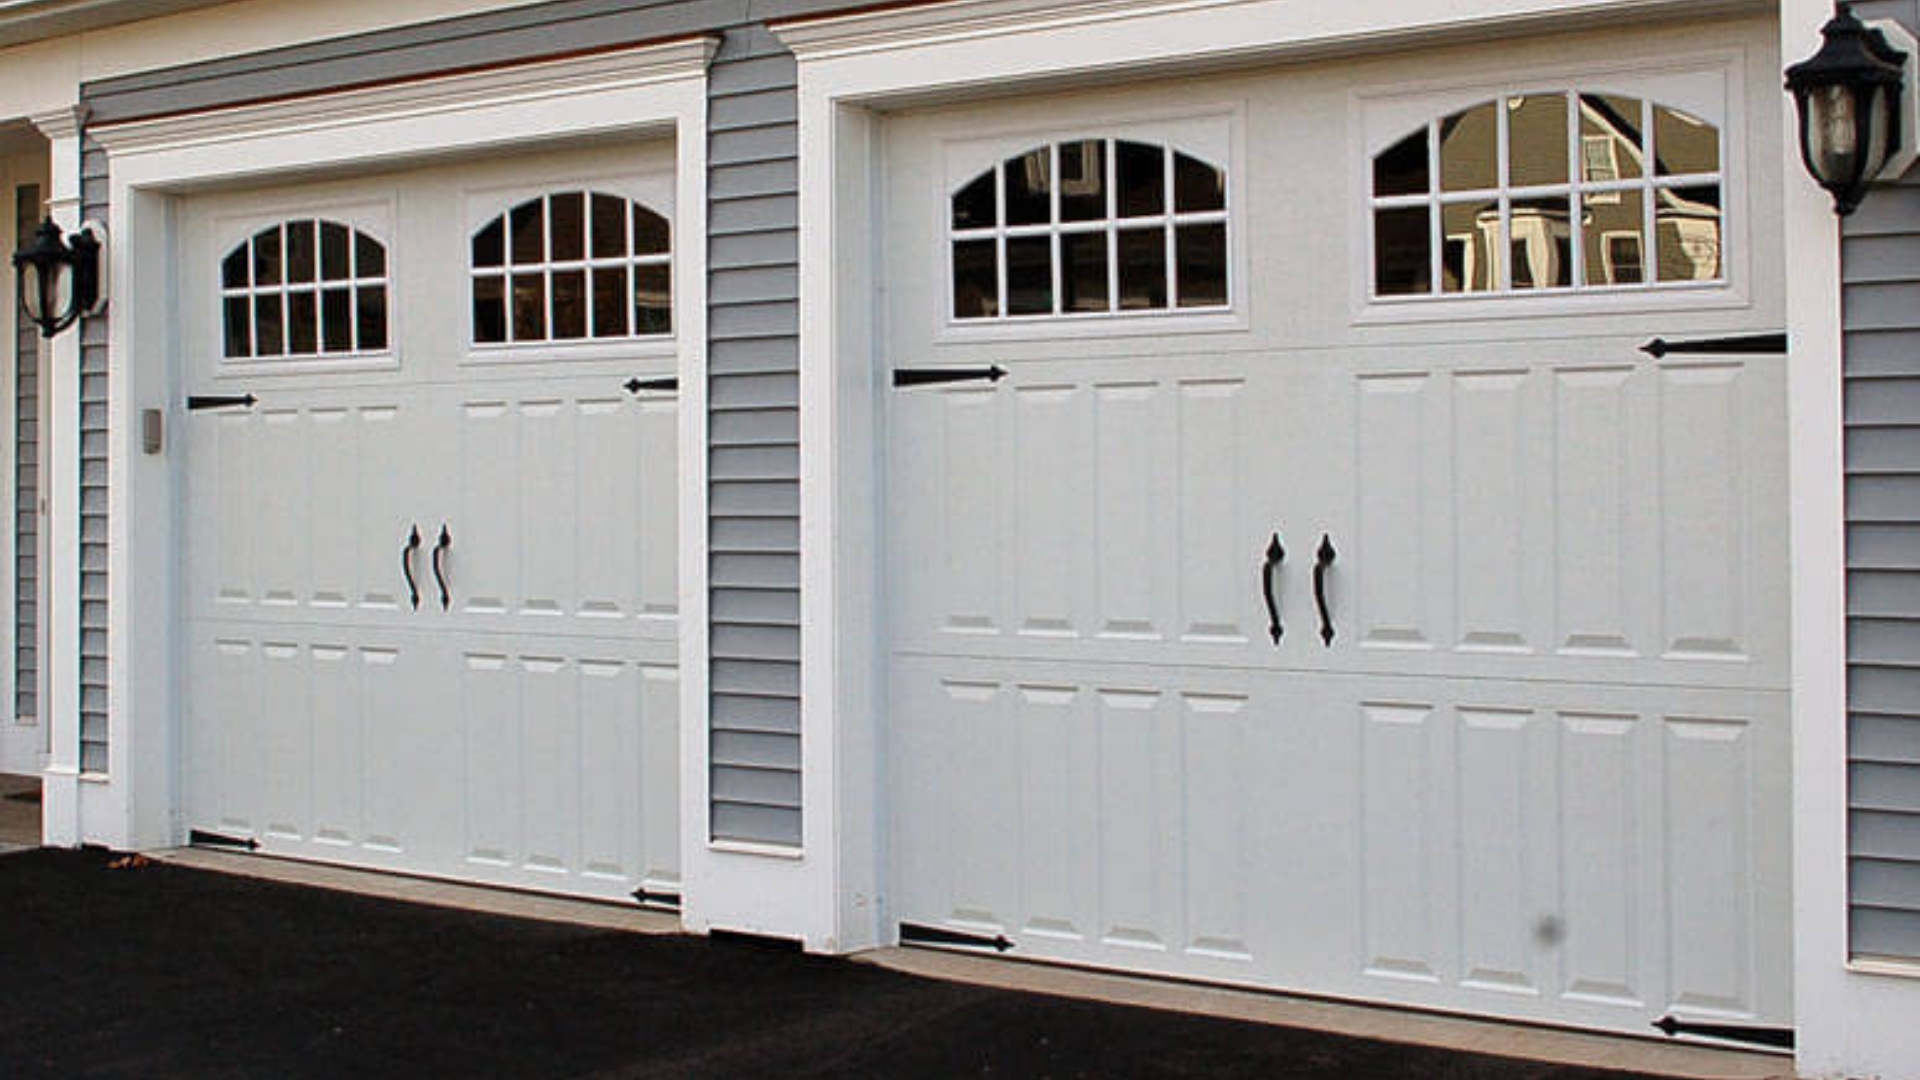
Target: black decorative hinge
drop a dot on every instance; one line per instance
(648, 898)
(636, 385)
(1779, 1038)
(1751, 343)
(201, 838)
(930, 375)
(916, 934)
(202, 402)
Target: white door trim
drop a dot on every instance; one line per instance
(849, 66)
(655, 89)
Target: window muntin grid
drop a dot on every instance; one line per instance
(572, 266)
(305, 288)
(1550, 192)
(1089, 228)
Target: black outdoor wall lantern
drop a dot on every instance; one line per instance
(1857, 98)
(58, 276)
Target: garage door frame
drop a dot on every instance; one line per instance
(854, 68)
(656, 89)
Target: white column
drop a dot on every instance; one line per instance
(60, 445)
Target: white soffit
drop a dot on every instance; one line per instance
(23, 21)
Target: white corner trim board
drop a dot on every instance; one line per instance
(647, 90)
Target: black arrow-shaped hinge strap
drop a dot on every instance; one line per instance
(202, 402)
(1779, 1038)
(930, 376)
(637, 385)
(202, 838)
(917, 934)
(649, 898)
(1748, 344)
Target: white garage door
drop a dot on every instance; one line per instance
(1362, 339)
(431, 566)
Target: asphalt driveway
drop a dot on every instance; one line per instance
(163, 971)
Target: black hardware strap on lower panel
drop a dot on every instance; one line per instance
(1749, 344)
(637, 385)
(648, 898)
(1779, 1038)
(203, 402)
(929, 376)
(916, 934)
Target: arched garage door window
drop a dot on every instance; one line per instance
(1560, 190)
(1090, 227)
(572, 266)
(304, 288)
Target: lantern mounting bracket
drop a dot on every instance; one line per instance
(1902, 39)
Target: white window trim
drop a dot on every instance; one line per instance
(649, 90)
(581, 347)
(1730, 291)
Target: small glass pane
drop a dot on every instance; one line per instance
(652, 300)
(649, 232)
(1402, 252)
(337, 321)
(1200, 265)
(1083, 271)
(266, 323)
(266, 258)
(528, 235)
(609, 227)
(1029, 182)
(568, 221)
(489, 310)
(1030, 275)
(1140, 179)
(490, 245)
(1083, 180)
(300, 251)
(610, 302)
(1197, 186)
(529, 307)
(1609, 138)
(334, 252)
(973, 207)
(569, 303)
(1687, 223)
(1143, 269)
(1541, 244)
(1469, 145)
(371, 313)
(1684, 144)
(369, 258)
(1403, 168)
(1611, 238)
(233, 271)
(976, 284)
(303, 323)
(239, 328)
(1470, 261)
(1537, 140)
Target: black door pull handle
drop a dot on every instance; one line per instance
(1323, 560)
(440, 547)
(406, 566)
(1276, 554)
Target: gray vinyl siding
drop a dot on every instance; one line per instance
(93, 493)
(1881, 273)
(753, 328)
(26, 486)
(753, 384)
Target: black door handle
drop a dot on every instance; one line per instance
(440, 547)
(406, 566)
(1276, 554)
(1322, 561)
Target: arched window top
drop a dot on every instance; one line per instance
(1557, 189)
(1088, 227)
(304, 288)
(572, 266)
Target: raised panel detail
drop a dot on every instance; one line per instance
(1703, 554)
(1212, 585)
(1400, 842)
(1593, 571)
(1391, 516)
